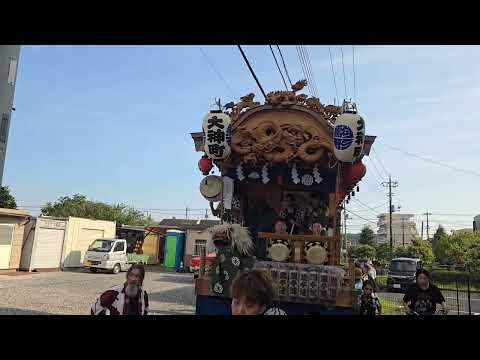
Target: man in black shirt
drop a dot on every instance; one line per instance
(422, 297)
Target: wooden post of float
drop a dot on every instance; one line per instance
(203, 255)
(351, 269)
(335, 246)
(222, 204)
(332, 209)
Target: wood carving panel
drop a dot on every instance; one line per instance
(280, 136)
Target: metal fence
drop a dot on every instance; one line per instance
(461, 295)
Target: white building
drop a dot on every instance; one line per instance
(404, 229)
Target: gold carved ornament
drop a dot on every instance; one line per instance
(280, 143)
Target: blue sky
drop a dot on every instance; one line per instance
(114, 122)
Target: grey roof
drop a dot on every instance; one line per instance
(189, 224)
(405, 258)
(131, 227)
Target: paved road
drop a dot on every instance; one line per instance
(451, 299)
(73, 292)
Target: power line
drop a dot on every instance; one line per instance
(278, 67)
(366, 206)
(344, 79)
(354, 77)
(307, 69)
(251, 70)
(376, 169)
(351, 212)
(333, 73)
(306, 73)
(432, 161)
(309, 64)
(217, 72)
(284, 66)
(375, 207)
(380, 161)
(453, 214)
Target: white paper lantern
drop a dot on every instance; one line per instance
(217, 132)
(348, 137)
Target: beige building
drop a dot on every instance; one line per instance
(404, 229)
(54, 243)
(12, 227)
(80, 235)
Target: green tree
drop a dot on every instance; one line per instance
(472, 258)
(453, 249)
(80, 206)
(440, 233)
(362, 252)
(383, 254)
(421, 249)
(7, 201)
(367, 236)
(401, 252)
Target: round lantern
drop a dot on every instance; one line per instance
(348, 137)
(205, 165)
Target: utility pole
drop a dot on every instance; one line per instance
(345, 217)
(390, 184)
(422, 229)
(186, 212)
(428, 227)
(8, 77)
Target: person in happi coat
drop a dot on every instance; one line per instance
(252, 294)
(128, 298)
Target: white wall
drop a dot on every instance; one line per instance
(80, 234)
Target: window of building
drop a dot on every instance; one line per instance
(12, 71)
(198, 245)
(4, 128)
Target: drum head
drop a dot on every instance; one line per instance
(211, 188)
(279, 252)
(316, 255)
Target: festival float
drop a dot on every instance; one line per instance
(291, 148)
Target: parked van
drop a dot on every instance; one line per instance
(402, 273)
(108, 254)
